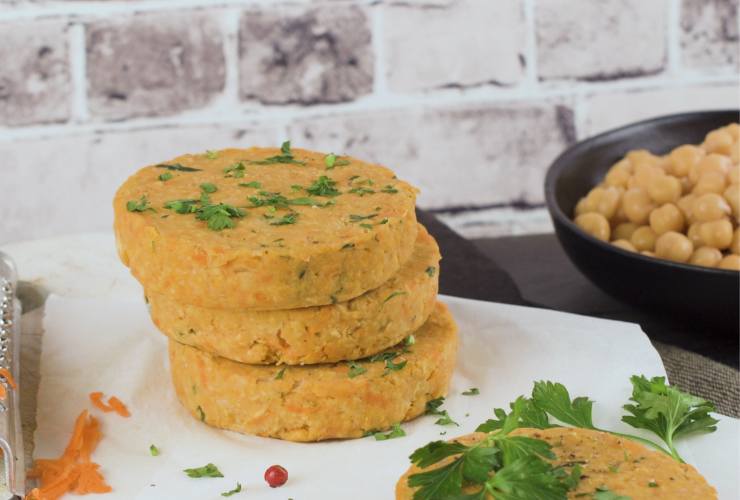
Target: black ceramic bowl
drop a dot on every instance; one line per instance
(680, 289)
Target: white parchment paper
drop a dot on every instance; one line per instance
(110, 345)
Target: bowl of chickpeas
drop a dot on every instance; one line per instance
(649, 212)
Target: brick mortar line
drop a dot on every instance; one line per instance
(103, 10)
(530, 43)
(673, 41)
(249, 113)
(77, 70)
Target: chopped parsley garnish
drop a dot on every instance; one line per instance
(431, 271)
(410, 340)
(285, 220)
(211, 155)
(235, 170)
(208, 470)
(652, 484)
(182, 206)
(358, 218)
(279, 374)
(473, 391)
(355, 369)
(165, 176)
(285, 156)
(604, 493)
(219, 216)
(394, 295)
(366, 226)
(153, 451)
(236, 490)
(361, 191)
(389, 189)
(395, 432)
(331, 160)
(253, 184)
(323, 186)
(433, 407)
(201, 413)
(348, 246)
(388, 357)
(296, 187)
(177, 167)
(208, 187)
(142, 205)
(269, 199)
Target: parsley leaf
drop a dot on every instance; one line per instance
(235, 170)
(153, 451)
(208, 187)
(285, 220)
(553, 398)
(667, 412)
(201, 413)
(331, 160)
(361, 191)
(323, 186)
(286, 156)
(279, 374)
(165, 176)
(523, 414)
(209, 470)
(355, 369)
(269, 199)
(526, 477)
(232, 492)
(431, 271)
(604, 493)
(253, 184)
(182, 206)
(177, 167)
(219, 216)
(433, 407)
(142, 205)
(395, 432)
(389, 189)
(473, 391)
(211, 155)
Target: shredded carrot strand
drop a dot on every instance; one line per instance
(73, 471)
(119, 407)
(5, 373)
(97, 400)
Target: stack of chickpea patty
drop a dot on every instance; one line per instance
(297, 290)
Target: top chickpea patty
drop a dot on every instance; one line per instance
(264, 228)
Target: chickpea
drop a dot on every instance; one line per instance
(731, 262)
(624, 230)
(710, 163)
(710, 182)
(644, 238)
(735, 153)
(686, 204)
(734, 130)
(686, 185)
(717, 233)
(637, 205)
(624, 245)
(693, 234)
(718, 141)
(683, 158)
(583, 207)
(645, 175)
(606, 200)
(619, 174)
(594, 224)
(734, 176)
(648, 253)
(706, 256)
(674, 246)
(709, 207)
(732, 196)
(665, 189)
(735, 245)
(666, 218)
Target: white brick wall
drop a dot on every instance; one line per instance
(469, 99)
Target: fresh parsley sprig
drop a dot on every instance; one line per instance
(208, 470)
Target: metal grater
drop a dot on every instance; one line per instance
(11, 436)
